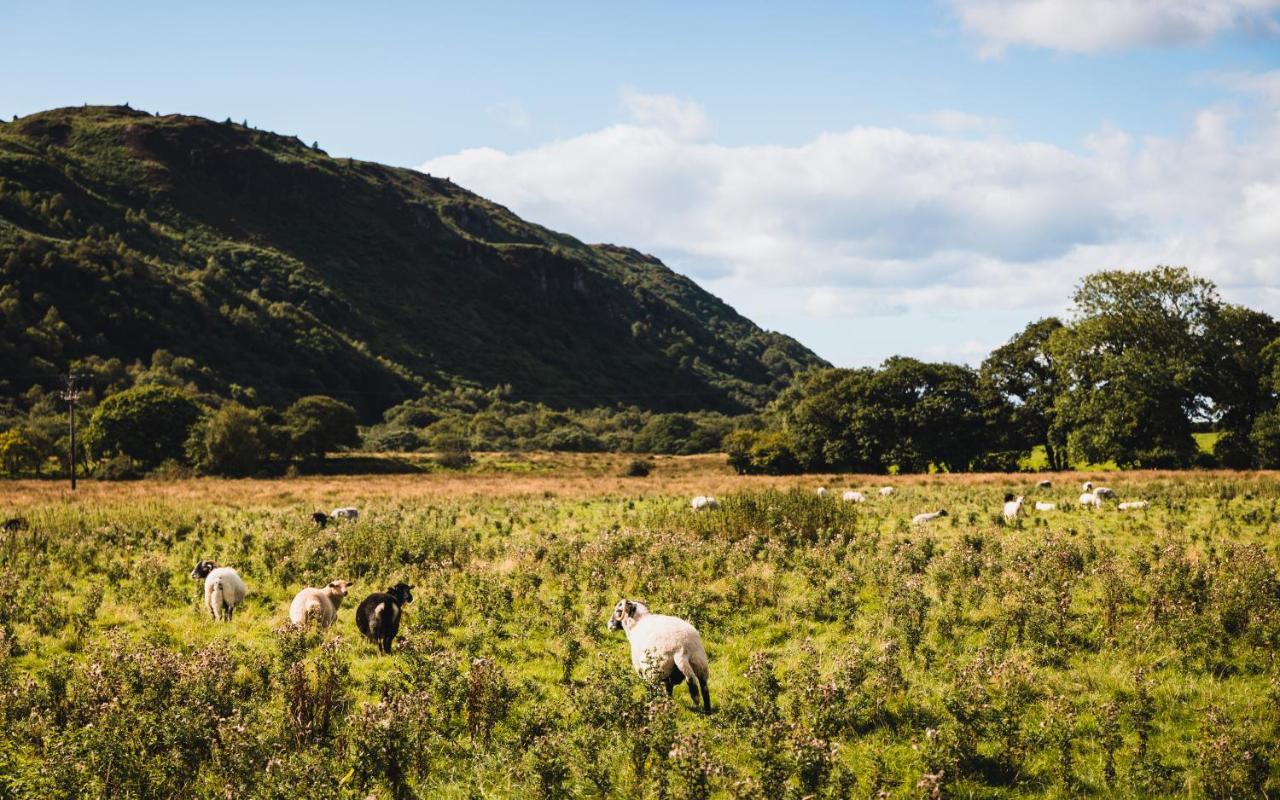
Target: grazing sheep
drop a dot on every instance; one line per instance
(14, 524)
(853, 497)
(886, 491)
(822, 491)
(1134, 505)
(1043, 506)
(378, 617)
(1044, 484)
(223, 589)
(1090, 500)
(346, 513)
(1013, 507)
(703, 503)
(663, 647)
(320, 518)
(320, 605)
(1102, 491)
(928, 516)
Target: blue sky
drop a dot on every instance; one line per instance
(919, 178)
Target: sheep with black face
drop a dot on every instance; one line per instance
(378, 616)
(664, 648)
(223, 589)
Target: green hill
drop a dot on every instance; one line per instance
(264, 268)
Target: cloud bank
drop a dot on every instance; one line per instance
(888, 222)
(1083, 26)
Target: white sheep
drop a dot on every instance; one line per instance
(1134, 505)
(703, 503)
(822, 491)
(664, 648)
(1013, 507)
(885, 491)
(928, 516)
(318, 605)
(1043, 506)
(1090, 500)
(1044, 484)
(853, 497)
(346, 513)
(1101, 491)
(223, 589)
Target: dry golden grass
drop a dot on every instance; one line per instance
(568, 475)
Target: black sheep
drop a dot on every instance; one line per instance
(14, 525)
(320, 518)
(378, 617)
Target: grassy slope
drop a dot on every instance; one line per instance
(550, 551)
(282, 269)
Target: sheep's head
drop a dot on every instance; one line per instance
(626, 611)
(338, 590)
(942, 512)
(202, 570)
(402, 593)
(1008, 497)
(1088, 486)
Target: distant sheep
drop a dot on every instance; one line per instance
(318, 605)
(320, 518)
(853, 497)
(1043, 506)
(822, 491)
(1101, 491)
(885, 491)
(1044, 484)
(1090, 500)
(1134, 505)
(223, 589)
(664, 648)
(1013, 507)
(14, 524)
(927, 517)
(703, 503)
(378, 617)
(346, 513)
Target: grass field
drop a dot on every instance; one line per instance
(1070, 653)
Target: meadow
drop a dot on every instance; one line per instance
(1070, 653)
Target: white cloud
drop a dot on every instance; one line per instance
(960, 123)
(679, 117)
(906, 226)
(1093, 25)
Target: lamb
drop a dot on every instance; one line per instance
(929, 516)
(320, 605)
(1044, 484)
(1013, 507)
(223, 589)
(886, 491)
(378, 617)
(346, 513)
(664, 648)
(853, 497)
(1090, 500)
(1134, 505)
(320, 518)
(704, 503)
(822, 491)
(1043, 506)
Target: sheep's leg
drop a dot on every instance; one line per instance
(683, 666)
(700, 670)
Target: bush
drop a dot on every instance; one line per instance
(638, 468)
(228, 442)
(318, 424)
(117, 468)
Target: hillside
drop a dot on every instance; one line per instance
(261, 267)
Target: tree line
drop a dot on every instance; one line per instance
(1145, 360)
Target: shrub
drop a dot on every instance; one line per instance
(318, 424)
(147, 424)
(638, 468)
(228, 442)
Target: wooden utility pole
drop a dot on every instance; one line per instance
(71, 394)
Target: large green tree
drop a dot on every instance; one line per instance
(147, 423)
(1241, 348)
(1130, 366)
(1022, 372)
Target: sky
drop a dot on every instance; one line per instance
(875, 179)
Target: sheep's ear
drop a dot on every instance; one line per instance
(629, 608)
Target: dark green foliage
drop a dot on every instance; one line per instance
(228, 441)
(279, 272)
(147, 424)
(318, 424)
